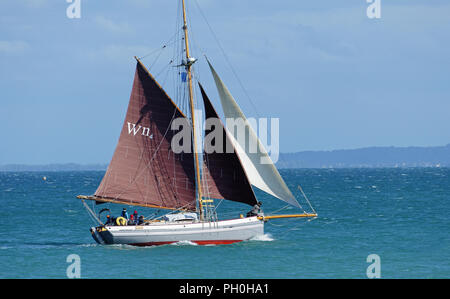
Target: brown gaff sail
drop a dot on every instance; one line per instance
(222, 171)
(144, 170)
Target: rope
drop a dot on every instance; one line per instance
(91, 213)
(304, 195)
(283, 208)
(296, 227)
(171, 212)
(165, 68)
(169, 42)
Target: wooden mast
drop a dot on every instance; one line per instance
(191, 100)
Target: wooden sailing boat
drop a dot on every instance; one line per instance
(146, 171)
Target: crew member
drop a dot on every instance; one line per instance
(256, 210)
(125, 214)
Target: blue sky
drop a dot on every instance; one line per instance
(334, 77)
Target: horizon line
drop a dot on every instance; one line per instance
(281, 153)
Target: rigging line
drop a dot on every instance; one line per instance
(205, 163)
(277, 225)
(151, 53)
(163, 80)
(164, 69)
(299, 205)
(171, 212)
(226, 58)
(160, 53)
(90, 217)
(297, 226)
(193, 42)
(169, 42)
(91, 213)
(215, 208)
(279, 210)
(152, 215)
(156, 59)
(304, 195)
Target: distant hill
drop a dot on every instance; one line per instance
(437, 156)
(369, 157)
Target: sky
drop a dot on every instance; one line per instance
(334, 77)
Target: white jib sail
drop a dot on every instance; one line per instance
(264, 176)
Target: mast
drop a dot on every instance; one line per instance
(188, 64)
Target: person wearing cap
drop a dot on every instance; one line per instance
(125, 214)
(108, 220)
(135, 216)
(131, 221)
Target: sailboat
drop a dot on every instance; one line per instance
(147, 171)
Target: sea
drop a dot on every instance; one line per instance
(373, 222)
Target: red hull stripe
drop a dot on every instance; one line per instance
(204, 242)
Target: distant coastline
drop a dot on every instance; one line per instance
(54, 167)
(370, 157)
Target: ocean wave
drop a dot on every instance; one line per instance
(183, 243)
(88, 245)
(264, 238)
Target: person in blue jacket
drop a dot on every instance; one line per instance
(125, 214)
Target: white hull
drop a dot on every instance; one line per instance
(202, 233)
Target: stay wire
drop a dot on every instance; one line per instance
(226, 58)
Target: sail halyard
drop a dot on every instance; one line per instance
(264, 176)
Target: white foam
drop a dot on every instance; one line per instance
(264, 238)
(88, 245)
(184, 243)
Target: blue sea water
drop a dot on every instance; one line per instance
(400, 214)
